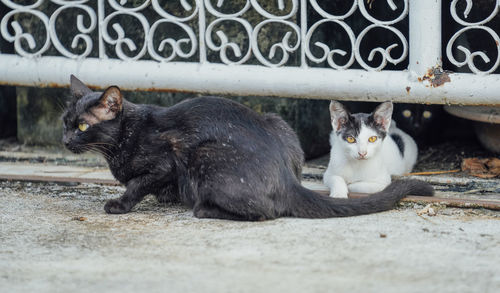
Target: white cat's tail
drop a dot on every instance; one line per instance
(306, 203)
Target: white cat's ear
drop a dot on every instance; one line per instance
(78, 89)
(383, 115)
(110, 104)
(338, 114)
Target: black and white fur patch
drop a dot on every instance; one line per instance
(399, 142)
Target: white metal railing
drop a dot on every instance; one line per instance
(102, 52)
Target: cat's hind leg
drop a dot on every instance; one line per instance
(216, 212)
(168, 194)
(231, 186)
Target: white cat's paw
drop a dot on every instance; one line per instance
(338, 187)
(338, 194)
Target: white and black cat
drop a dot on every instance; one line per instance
(366, 149)
(211, 154)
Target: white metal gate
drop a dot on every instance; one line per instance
(168, 64)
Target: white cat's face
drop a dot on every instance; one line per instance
(360, 135)
(364, 146)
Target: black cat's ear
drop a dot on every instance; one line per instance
(78, 89)
(383, 115)
(338, 114)
(110, 104)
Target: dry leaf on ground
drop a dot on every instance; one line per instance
(482, 168)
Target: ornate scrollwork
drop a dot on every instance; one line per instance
(329, 15)
(468, 8)
(175, 45)
(121, 40)
(281, 6)
(327, 52)
(392, 5)
(469, 56)
(385, 53)
(187, 7)
(214, 11)
(201, 26)
(469, 26)
(284, 46)
(19, 35)
(225, 44)
(355, 42)
(84, 31)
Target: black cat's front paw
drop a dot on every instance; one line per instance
(116, 206)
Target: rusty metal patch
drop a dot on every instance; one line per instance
(436, 76)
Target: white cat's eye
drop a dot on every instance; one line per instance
(83, 126)
(372, 139)
(407, 113)
(350, 139)
(427, 114)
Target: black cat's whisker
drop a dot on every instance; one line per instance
(100, 152)
(96, 146)
(61, 105)
(103, 152)
(102, 143)
(103, 149)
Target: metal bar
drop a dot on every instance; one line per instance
(303, 32)
(100, 15)
(321, 83)
(425, 36)
(202, 28)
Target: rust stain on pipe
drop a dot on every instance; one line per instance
(436, 76)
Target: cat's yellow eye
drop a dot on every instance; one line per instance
(427, 114)
(83, 126)
(372, 139)
(350, 139)
(407, 113)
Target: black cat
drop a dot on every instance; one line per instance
(214, 155)
(422, 122)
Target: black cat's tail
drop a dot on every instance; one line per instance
(306, 203)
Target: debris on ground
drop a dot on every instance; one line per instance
(434, 172)
(482, 168)
(427, 210)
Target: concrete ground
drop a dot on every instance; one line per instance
(57, 238)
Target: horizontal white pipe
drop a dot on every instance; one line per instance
(316, 83)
